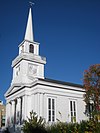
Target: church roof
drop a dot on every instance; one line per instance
(63, 82)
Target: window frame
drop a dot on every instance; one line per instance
(51, 110)
(73, 110)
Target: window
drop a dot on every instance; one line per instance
(22, 49)
(73, 111)
(89, 109)
(51, 109)
(17, 70)
(31, 48)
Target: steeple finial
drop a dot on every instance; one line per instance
(31, 3)
(29, 28)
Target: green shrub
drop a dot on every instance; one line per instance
(34, 124)
(61, 127)
(37, 125)
(57, 128)
(83, 127)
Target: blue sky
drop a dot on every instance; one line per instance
(68, 32)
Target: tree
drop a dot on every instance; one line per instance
(34, 124)
(91, 84)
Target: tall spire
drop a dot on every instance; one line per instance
(29, 28)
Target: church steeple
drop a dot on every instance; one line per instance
(29, 45)
(28, 64)
(29, 29)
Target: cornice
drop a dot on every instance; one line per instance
(29, 57)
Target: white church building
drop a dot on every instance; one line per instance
(30, 90)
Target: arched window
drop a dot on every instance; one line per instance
(31, 48)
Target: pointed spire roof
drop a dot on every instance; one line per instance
(29, 28)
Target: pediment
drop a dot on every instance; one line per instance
(13, 88)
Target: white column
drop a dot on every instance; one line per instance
(45, 107)
(29, 105)
(10, 110)
(13, 111)
(18, 110)
(26, 107)
(24, 104)
(7, 115)
(35, 102)
(38, 104)
(23, 108)
(41, 105)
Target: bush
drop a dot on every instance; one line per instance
(61, 127)
(37, 125)
(34, 124)
(83, 127)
